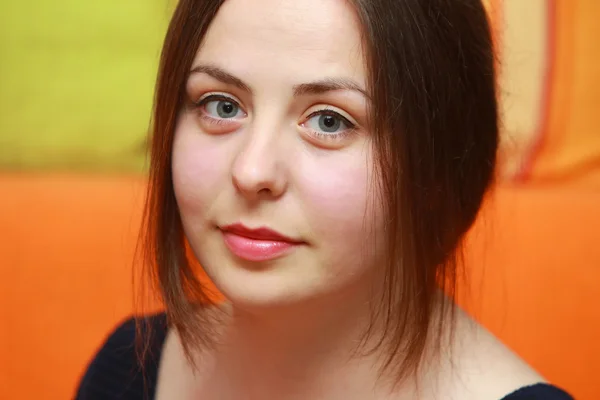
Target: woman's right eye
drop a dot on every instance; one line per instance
(220, 107)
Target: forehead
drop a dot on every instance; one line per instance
(307, 38)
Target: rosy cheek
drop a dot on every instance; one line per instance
(335, 195)
(198, 170)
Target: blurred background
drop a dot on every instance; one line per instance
(76, 86)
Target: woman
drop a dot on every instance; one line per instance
(322, 160)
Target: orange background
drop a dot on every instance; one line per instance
(549, 70)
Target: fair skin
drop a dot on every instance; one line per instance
(275, 135)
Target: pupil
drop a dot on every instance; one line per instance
(226, 109)
(329, 121)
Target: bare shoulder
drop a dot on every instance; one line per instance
(173, 371)
(177, 377)
(480, 366)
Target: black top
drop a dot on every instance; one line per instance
(115, 373)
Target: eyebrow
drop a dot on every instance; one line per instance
(221, 75)
(327, 85)
(316, 87)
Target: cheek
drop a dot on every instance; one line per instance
(198, 170)
(337, 197)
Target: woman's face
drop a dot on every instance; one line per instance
(272, 159)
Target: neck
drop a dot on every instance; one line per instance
(306, 349)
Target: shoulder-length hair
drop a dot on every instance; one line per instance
(434, 126)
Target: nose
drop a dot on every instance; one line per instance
(258, 171)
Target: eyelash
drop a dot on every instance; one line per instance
(325, 111)
(213, 97)
(328, 136)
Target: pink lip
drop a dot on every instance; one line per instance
(260, 244)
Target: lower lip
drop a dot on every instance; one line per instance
(254, 249)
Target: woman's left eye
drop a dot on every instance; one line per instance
(328, 123)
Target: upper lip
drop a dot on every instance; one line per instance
(261, 233)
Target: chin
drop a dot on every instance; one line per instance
(263, 285)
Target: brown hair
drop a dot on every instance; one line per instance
(435, 132)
